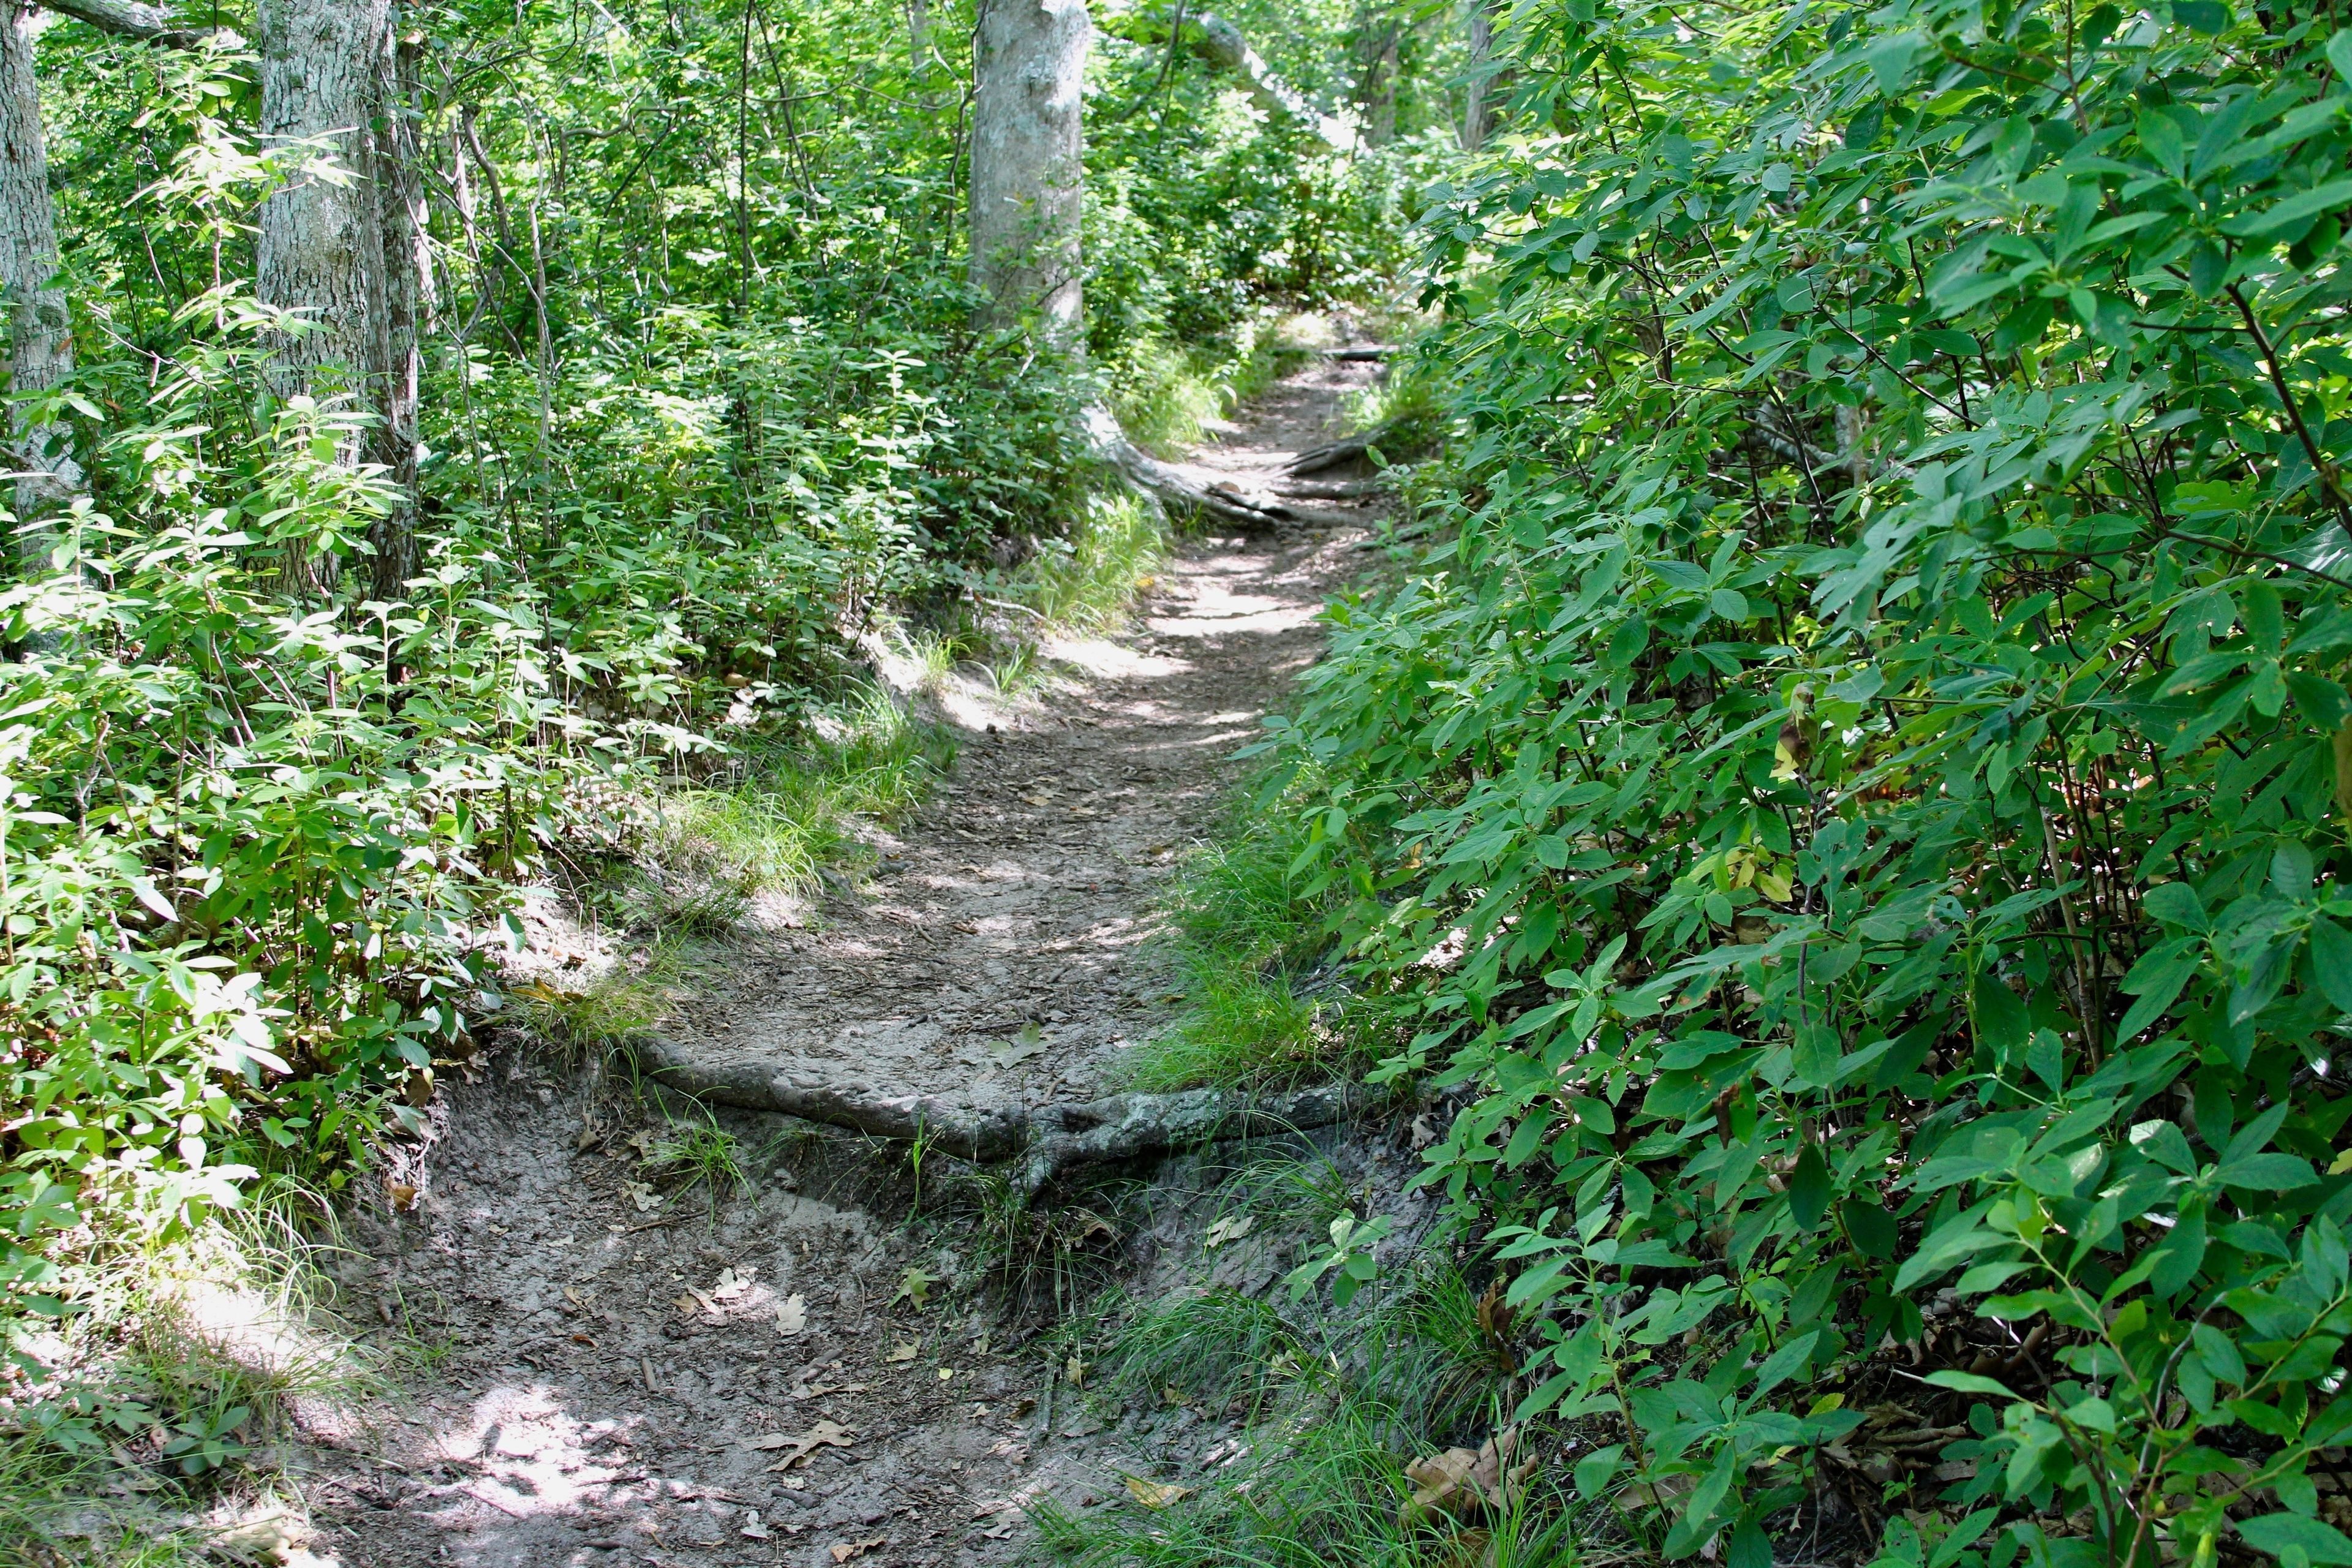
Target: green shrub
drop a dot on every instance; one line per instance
(1858, 797)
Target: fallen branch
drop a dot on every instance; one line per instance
(1346, 450)
(1221, 44)
(1332, 489)
(1048, 1141)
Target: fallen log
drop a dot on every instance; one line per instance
(1046, 1141)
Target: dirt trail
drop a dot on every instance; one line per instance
(606, 1383)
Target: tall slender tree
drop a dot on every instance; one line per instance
(1028, 170)
(1480, 76)
(1028, 194)
(399, 170)
(40, 341)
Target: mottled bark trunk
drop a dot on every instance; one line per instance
(1029, 59)
(40, 348)
(1480, 76)
(1380, 85)
(407, 301)
(919, 33)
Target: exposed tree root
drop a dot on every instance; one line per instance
(1047, 1139)
(1255, 512)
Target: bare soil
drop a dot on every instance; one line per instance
(609, 1376)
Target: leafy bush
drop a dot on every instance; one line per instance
(1858, 802)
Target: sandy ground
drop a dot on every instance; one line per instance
(610, 1376)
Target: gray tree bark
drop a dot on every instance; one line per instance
(1028, 190)
(407, 301)
(1379, 86)
(1028, 174)
(322, 253)
(1479, 77)
(40, 348)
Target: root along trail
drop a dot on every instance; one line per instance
(777, 1375)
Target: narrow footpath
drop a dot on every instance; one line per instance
(601, 1376)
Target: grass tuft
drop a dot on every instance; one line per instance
(604, 1012)
(1252, 942)
(698, 1156)
(1088, 584)
(1339, 1405)
(186, 1360)
(1165, 394)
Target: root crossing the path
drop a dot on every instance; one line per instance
(780, 1372)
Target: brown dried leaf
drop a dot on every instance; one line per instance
(1156, 1495)
(824, 1435)
(843, 1551)
(1459, 1482)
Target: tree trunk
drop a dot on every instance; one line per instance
(1221, 44)
(40, 348)
(407, 301)
(1029, 60)
(321, 254)
(1381, 91)
(1479, 77)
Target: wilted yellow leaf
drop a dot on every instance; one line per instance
(1156, 1494)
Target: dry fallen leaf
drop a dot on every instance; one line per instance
(1457, 1481)
(1076, 1371)
(753, 1529)
(642, 1141)
(1233, 1227)
(907, 1350)
(1028, 1044)
(792, 1315)
(1424, 1134)
(641, 1194)
(1155, 1494)
(404, 1197)
(824, 1435)
(732, 1283)
(844, 1550)
(1038, 799)
(686, 1304)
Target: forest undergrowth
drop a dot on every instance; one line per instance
(1835, 830)
(712, 436)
